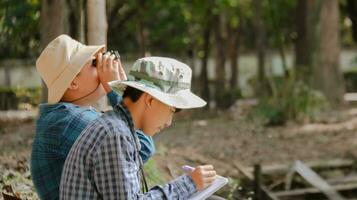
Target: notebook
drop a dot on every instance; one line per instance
(217, 184)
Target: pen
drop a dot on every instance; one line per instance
(188, 168)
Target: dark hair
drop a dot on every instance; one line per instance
(133, 93)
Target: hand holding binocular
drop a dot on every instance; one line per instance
(115, 53)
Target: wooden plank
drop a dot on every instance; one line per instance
(289, 177)
(343, 184)
(304, 191)
(314, 179)
(257, 182)
(343, 179)
(318, 164)
(242, 169)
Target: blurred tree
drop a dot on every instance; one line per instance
(318, 47)
(260, 34)
(52, 25)
(303, 45)
(351, 8)
(200, 19)
(237, 15)
(205, 26)
(19, 28)
(141, 30)
(76, 19)
(280, 22)
(96, 22)
(234, 34)
(121, 28)
(97, 31)
(220, 34)
(327, 75)
(228, 18)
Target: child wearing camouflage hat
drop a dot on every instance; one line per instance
(104, 162)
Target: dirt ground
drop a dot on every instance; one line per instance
(219, 139)
(223, 141)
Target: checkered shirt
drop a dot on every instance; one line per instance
(57, 128)
(104, 164)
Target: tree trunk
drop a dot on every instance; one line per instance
(141, 38)
(142, 35)
(97, 33)
(302, 45)
(76, 17)
(96, 22)
(220, 61)
(52, 24)
(260, 44)
(306, 43)
(7, 74)
(351, 8)
(205, 91)
(326, 71)
(233, 57)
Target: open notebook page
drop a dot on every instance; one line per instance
(217, 184)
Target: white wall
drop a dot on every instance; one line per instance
(23, 72)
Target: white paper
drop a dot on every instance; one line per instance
(217, 184)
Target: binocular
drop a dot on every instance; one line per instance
(116, 54)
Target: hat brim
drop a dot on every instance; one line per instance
(183, 99)
(60, 85)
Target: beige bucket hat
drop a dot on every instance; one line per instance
(60, 62)
(166, 79)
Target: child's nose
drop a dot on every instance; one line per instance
(169, 122)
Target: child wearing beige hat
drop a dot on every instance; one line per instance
(74, 83)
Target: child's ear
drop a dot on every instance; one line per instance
(148, 100)
(73, 86)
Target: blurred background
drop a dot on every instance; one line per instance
(279, 76)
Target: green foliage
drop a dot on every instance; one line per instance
(350, 78)
(31, 96)
(227, 97)
(19, 28)
(291, 100)
(280, 20)
(154, 177)
(163, 22)
(172, 27)
(19, 98)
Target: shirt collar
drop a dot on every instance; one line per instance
(46, 108)
(123, 111)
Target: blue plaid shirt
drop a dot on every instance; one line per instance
(104, 164)
(57, 128)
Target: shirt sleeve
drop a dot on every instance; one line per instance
(116, 174)
(147, 146)
(114, 98)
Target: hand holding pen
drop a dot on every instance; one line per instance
(202, 176)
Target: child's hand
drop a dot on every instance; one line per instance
(203, 176)
(109, 69)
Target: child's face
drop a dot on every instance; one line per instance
(157, 117)
(89, 83)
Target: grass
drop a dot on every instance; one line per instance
(153, 175)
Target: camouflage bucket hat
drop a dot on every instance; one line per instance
(166, 79)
